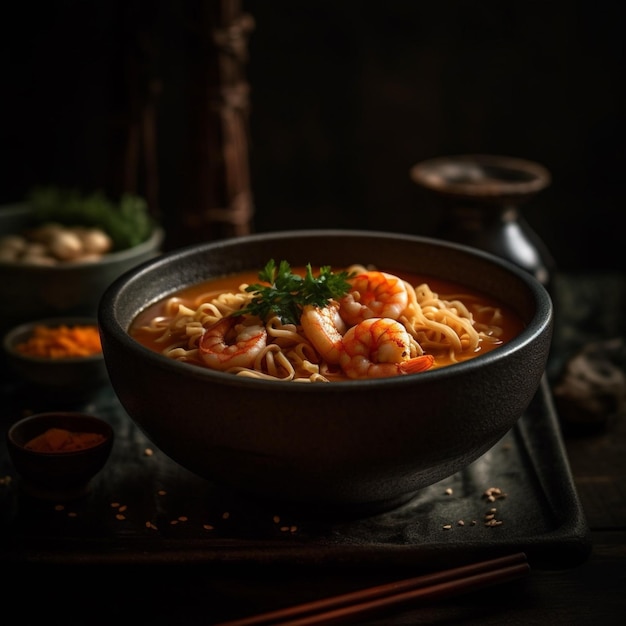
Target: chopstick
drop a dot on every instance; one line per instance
(338, 609)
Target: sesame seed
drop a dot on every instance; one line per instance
(276, 519)
(225, 515)
(493, 522)
(494, 493)
(161, 492)
(119, 516)
(183, 518)
(173, 522)
(447, 526)
(208, 527)
(72, 514)
(448, 491)
(148, 452)
(122, 508)
(115, 505)
(460, 523)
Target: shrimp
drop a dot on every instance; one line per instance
(380, 347)
(373, 294)
(227, 343)
(324, 328)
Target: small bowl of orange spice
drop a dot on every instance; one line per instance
(57, 454)
(61, 355)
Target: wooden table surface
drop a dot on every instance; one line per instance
(593, 592)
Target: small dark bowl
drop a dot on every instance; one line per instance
(356, 445)
(58, 475)
(58, 378)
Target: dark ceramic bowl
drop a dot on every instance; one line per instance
(29, 292)
(366, 445)
(58, 475)
(70, 377)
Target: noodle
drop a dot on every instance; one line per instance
(452, 328)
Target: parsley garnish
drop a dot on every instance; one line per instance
(285, 294)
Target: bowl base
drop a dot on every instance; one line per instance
(320, 511)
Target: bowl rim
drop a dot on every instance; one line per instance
(103, 427)
(153, 242)
(434, 174)
(541, 321)
(21, 331)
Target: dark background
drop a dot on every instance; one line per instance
(345, 97)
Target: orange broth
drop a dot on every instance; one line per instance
(193, 295)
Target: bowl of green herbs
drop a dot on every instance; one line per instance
(60, 249)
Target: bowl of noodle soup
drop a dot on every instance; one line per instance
(423, 359)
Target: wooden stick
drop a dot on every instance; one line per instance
(337, 609)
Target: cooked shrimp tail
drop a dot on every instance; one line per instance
(229, 343)
(417, 364)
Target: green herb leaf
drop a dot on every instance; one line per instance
(127, 222)
(285, 294)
